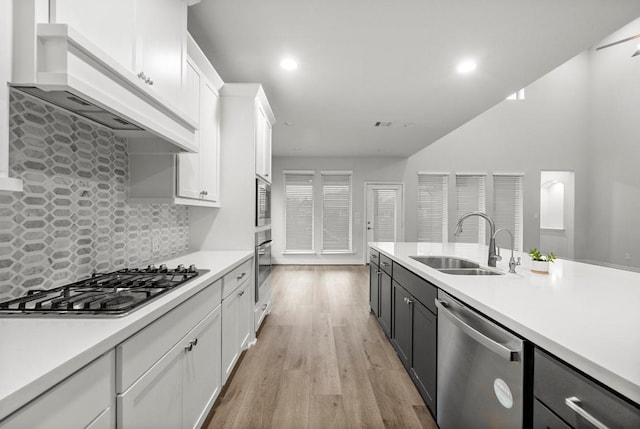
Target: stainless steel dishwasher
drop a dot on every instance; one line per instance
(480, 370)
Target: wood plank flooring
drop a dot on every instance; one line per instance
(321, 361)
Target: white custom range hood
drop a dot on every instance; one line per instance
(57, 64)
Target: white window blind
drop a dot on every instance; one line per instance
(298, 194)
(507, 209)
(384, 214)
(470, 197)
(432, 207)
(336, 212)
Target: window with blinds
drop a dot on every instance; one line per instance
(384, 214)
(507, 209)
(336, 212)
(432, 207)
(470, 197)
(298, 194)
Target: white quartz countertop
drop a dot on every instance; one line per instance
(36, 353)
(587, 315)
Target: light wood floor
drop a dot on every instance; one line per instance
(321, 361)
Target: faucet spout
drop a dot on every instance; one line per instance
(512, 260)
(493, 256)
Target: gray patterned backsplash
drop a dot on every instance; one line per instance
(72, 219)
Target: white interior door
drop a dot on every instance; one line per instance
(384, 214)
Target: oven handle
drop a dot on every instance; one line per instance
(265, 243)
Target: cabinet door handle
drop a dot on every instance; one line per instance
(148, 81)
(142, 76)
(240, 276)
(574, 403)
(378, 272)
(409, 301)
(241, 293)
(195, 342)
(189, 347)
(374, 256)
(264, 307)
(385, 264)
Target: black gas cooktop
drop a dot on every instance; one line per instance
(103, 294)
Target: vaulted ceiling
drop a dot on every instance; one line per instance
(367, 61)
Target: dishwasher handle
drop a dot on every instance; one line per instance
(500, 349)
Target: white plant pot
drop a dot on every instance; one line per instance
(540, 267)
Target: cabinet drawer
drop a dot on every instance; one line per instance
(421, 289)
(79, 401)
(545, 419)
(236, 277)
(138, 353)
(374, 257)
(555, 383)
(385, 264)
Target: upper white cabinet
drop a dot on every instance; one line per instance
(125, 60)
(263, 143)
(189, 178)
(148, 37)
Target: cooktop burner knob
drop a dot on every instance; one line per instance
(180, 269)
(151, 268)
(163, 268)
(192, 268)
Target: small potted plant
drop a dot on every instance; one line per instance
(540, 262)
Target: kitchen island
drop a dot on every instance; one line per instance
(586, 315)
(37, 353)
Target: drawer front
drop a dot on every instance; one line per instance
(545, 419)
(137, 354)
(236, 277)
(374, 257)
(421, 289)
(555, 383)
(385, 264)
(81, 399)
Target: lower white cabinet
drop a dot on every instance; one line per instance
(169, 373)
(84, 400)
(237, 320)
(179, 390)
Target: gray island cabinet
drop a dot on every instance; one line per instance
(562, 394)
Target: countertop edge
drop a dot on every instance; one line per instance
(139, 319)
(603, 375)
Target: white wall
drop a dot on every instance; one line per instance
(546, 131)
(364, 170)
(614, 163)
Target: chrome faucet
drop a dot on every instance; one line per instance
(493, 256)
(512, 261)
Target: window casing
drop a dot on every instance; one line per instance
(337, 225)
(432, 216)
(299, 209)
(508, 209)
(470, 197)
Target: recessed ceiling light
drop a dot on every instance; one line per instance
(289, 64)
(467, 66)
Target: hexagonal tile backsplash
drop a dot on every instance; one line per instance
(73, 218)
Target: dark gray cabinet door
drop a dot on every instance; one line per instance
(402, 320)
(384, 317)
(374, 288)
(423, 358)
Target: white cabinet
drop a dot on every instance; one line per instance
(179, 390)
(169, 373)
(236, 316)
(187, 178)
(199, 174)
(263, 143)
(147, 37)
(84, 400)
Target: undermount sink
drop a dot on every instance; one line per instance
(456, 266)
(445, 262)
(469, 272)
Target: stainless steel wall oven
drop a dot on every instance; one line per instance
(263, 203)
(262, 259)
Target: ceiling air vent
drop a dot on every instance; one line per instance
(382, 124)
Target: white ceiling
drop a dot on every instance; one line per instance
(363, 61)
